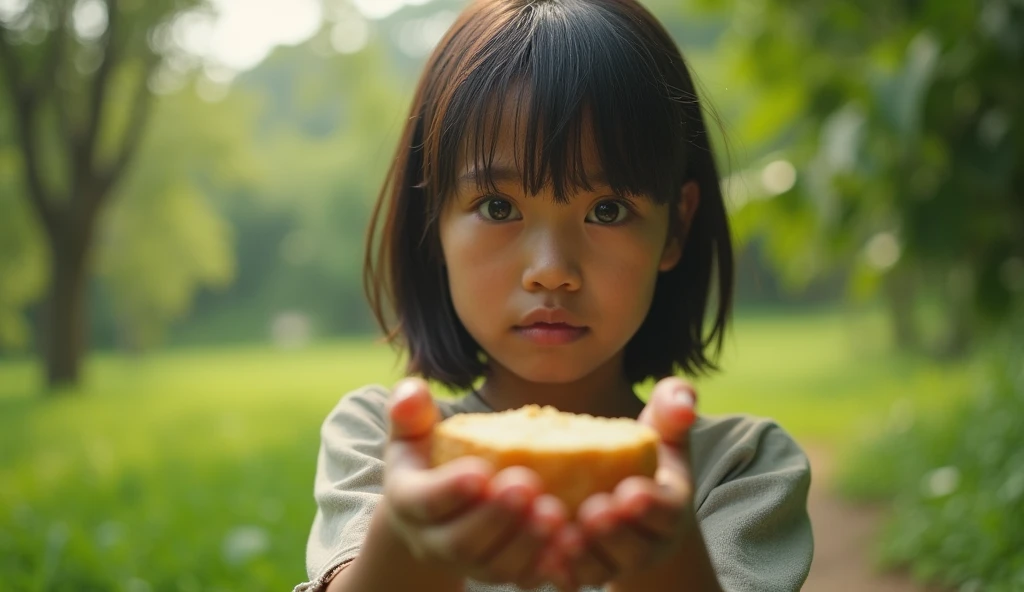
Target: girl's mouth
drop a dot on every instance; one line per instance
(551, 333)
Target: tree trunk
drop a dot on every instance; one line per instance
(81, 117)
(959, 304)
(900, 295)
(66, 319)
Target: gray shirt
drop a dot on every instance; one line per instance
(750, 477)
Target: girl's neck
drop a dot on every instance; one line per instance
(603, 393)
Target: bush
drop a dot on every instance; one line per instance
(956, 484)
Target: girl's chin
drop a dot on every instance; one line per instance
(548, 373)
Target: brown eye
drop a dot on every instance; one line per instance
(608, 212)
(497, 209)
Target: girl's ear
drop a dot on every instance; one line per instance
(679, 226)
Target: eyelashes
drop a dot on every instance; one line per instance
(606, 212)
(609, 212)
(498, 209)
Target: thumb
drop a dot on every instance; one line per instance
(412, 410)
(412, 415)
(671, 410)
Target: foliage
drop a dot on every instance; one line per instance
(165, 238)
(192, 469)
(905, 121)
(956, 482)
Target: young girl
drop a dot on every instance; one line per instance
(552, 230)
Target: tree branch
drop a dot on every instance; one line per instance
(137, 123)
(10, 65)
(52, 65)
(137, 119)
(23, 101)
(100, 87)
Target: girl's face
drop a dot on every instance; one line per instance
(552, 291)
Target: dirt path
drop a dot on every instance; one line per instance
(844, 535)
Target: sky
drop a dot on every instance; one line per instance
(245, 31)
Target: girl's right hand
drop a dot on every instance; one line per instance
(492, 527)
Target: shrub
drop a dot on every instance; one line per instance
(956, 484)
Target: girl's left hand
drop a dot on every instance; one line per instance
(644, 519)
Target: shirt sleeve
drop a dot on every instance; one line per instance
(752, 508)
(349, 482)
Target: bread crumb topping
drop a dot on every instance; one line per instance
(533, 426)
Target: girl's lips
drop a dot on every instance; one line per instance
(551, 333)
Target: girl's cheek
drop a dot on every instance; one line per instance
(634, 253)
(483, 258)
(463, 239)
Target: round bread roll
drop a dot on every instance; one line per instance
(575, 455)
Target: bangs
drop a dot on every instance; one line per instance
(563, 80)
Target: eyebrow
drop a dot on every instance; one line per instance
(505, 174)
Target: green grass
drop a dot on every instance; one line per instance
(192, 469)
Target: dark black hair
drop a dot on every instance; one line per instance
(561, 65)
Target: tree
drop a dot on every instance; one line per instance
(76, 76)
(906, 122)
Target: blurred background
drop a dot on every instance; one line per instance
(184, 191)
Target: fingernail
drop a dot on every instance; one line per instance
(404, 390)
(683, 397)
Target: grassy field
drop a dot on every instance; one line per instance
(192, 470)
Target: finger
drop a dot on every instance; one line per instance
(517, 560)
(466, 539)
(575, 559)
(597, 514)
(626, 546)
(587, 564)
(514, 487)
(609, 531)
(411, 410)
(653, 509)
(671, 410)
(475, 535)
(412, 415)
(436, 495)
(592, 567)
(563, 547)
(550, 566)
(671, 413)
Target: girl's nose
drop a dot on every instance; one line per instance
(551, 263)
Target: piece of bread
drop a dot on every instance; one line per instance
(575, 455)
